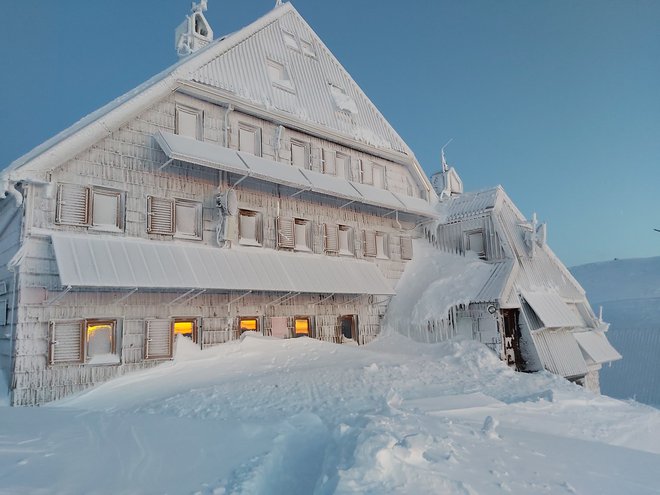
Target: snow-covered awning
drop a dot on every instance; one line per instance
(559, 353)
(115, 262)
(551, 309)
(218, 157)
(596, 346)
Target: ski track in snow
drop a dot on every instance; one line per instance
(264, 416)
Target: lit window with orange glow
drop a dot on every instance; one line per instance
(249, 325)
(302, 326)
(187, 328)
(100, 340)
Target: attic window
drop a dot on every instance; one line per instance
(343, 101)
(279, 76)
(475, 242)
(290, 40)
(189, 122)
(308, 48)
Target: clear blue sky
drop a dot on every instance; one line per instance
(557, 100)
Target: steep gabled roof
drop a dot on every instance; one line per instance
(238, 64)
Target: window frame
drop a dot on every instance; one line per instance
(330, 238)
(366, 172)
(258, 239)
(350, 240)
(329, 156)
(468, 242)
(195, 327)
(309, 240)
(406, 246)
(195, 112)
(306, 146)
(172, 220)
(284, 81)
(385, 254)
(241, 319)
(369, 248)
(309, 332)
(87, 208)
(113, 343)
(84, 357)
(256, 132)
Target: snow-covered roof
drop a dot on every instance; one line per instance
(551, 309)
(559, 352)
(237, 66)
(470, 204)
(215, 156)
(113, 262)
(596, 346)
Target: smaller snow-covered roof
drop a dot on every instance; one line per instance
(113, 262)
(551, 309)
(470, 204)
(559, 353)
(494, 290)
(596, 346)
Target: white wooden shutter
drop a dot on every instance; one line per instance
(158, 341)
(366, 172)
(406, 248)
(369, 243)
(331, 235)
(285, 237)
(160, 215)
(329, 162)
(259, 228)
(66, 342)
(341, 166)
(188, 218)
(72, 205)
(299, 154)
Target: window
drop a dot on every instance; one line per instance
(331, 238)
(406, 248)
(378, 177)
(290, 40)
(382, 246)
(369, 239)
(83, 341)
(475, 243)
(186, 328)
(279, 76)
(294, 234)
(189, 122)
(302, 326)
(90, 206)
(346, 241)
(342, 164)
(250, 228)
(249, 139)
(308, 48)
(299, 154)
(366, 172)
(329, 162)
(248, 324)
(159, 338)
(180, 217)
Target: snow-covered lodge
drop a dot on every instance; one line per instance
(252, 186)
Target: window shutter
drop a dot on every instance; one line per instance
(329, 162)
(158, 339)
(331, 238)
(406, 248)
(285, 237)
(160, 215)
(369, 243)
(66, 342)
(72, 204)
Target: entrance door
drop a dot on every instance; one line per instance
(512, 338)
(349, 328)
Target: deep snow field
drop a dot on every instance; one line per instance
(267, 416)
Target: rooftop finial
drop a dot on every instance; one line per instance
(445, 167)
(278, 3)
(194, 32)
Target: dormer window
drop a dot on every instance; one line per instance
(474, 241)
(279, 76)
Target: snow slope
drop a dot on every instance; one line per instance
(629, 291)
(267, 416)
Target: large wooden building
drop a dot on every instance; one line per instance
(252, 186)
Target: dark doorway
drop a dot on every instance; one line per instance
(348, 327)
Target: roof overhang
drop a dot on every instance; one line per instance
(551, 309)
(218, 157)
(109, 262)
(559, 353)
(596, 346)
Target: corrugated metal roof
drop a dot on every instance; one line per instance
(495, 287)
(551, 309)
(559, 353)
(212, 155)
(114, 262)
(470, 204)
(307, 91)
(597, 347)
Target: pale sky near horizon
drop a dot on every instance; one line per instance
(556, 100)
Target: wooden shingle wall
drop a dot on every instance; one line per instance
(130, 161)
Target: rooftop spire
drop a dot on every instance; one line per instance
(194, 32)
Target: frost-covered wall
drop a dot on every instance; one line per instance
(130, 161)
